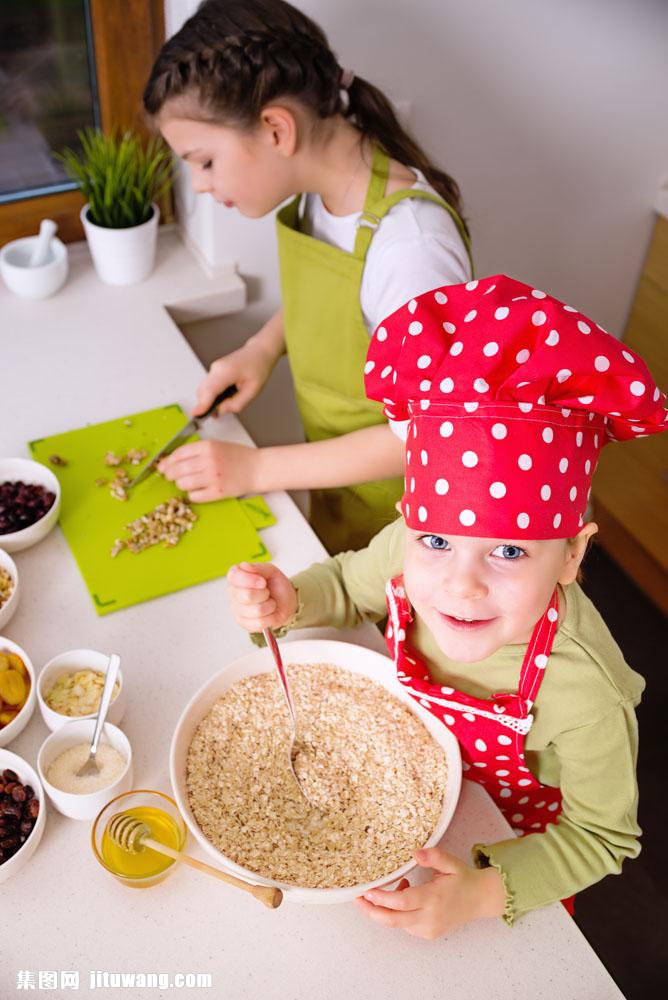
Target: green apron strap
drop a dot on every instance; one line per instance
(380, 170)
(377, 205)
(368, 221)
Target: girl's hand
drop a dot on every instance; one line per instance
(455, 894)
(248, 369)
(260, 596)
(212, 470)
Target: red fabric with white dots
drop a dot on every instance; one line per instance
(490, 732)
(510, 396)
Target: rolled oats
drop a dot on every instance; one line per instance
(374, 777)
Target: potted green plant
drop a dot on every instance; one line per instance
(121, 177)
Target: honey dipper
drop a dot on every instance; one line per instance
(131, 835)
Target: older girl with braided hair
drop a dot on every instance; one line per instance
(249, 93)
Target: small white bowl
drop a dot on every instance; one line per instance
(13, 470)
(33, 282)
(27, 776)
(87, 805)
(12, 729)
(9, 607)
(356, 659)
(68, 663)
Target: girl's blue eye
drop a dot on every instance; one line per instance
(435, 542)
(512, 552)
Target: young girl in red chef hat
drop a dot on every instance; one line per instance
(506, 396)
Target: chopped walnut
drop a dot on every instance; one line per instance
(166, 523)
(118, 485)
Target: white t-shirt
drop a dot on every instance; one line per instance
(415, 248)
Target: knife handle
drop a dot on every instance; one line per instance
(220, 398)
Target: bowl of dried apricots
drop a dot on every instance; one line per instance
(17, 690)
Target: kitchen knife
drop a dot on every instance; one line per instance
(185, 432)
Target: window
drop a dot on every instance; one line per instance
(47, 83)
(65, 64)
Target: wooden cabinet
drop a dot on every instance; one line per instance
(631, 483)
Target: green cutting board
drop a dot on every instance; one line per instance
(91, 519)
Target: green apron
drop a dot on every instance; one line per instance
(327, 343)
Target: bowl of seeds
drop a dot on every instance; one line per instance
(9, 588)
(381, 776)
(29, 502)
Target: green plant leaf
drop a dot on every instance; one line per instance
(119, 175)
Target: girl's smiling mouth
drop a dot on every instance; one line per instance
(464, 624)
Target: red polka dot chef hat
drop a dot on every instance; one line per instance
(509, 396)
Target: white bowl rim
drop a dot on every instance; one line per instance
(12, 565)
(302, 894)
(52, 484)
(32, 697)
(49, 665)
(28, 462)
(60, 252)
(36, 786)
(72, 797)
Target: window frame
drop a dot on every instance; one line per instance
(121, 73)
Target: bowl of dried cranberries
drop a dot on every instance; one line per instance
(29, 502)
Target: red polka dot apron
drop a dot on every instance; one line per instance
(490, 731)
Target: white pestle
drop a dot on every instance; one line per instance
(42, 250)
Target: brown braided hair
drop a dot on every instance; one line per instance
(236, 56)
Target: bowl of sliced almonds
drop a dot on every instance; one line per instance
(70, 687)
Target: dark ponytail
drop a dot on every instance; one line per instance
(373, 114)
(233, 57)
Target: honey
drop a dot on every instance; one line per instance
(147, 864)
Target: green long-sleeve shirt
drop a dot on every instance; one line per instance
(584, 738)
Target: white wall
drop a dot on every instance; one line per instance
(551, 114)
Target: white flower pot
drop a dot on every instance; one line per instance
(122, 256)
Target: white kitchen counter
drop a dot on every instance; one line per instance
(92, 353)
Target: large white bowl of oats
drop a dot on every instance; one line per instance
(382, 774)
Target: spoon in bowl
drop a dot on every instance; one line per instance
(270, 639)
(91, 766)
